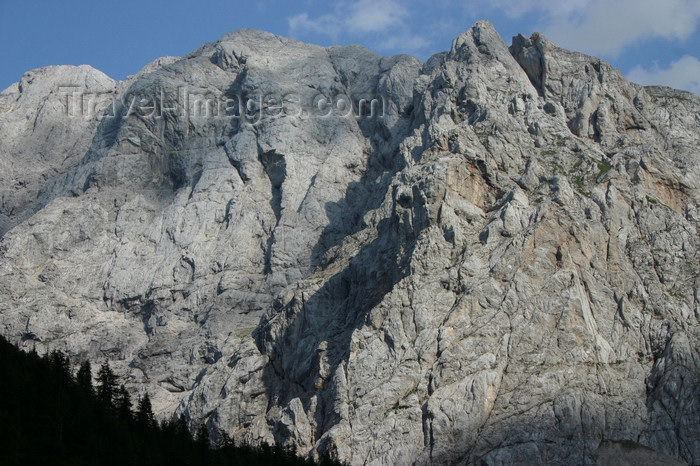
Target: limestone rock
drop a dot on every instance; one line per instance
(488, 258)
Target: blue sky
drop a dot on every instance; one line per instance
(651, 41)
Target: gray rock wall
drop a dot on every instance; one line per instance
(500, 265)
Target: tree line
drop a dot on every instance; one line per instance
(49, 416)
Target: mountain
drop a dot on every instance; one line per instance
(490, 257)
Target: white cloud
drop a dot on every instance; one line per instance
(681, 74)
(384, 20)
(554, 8)
(406, 43)
(327, 25)
(375, 15)
(606, 27)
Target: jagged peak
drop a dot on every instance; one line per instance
(481, 38)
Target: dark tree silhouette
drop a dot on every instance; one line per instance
(84, 377)
(48, 417)
(106, 386)
(181, 428)
(123, 403)
(59, 362)
(223, 439)
(144, 413)
(202, 436)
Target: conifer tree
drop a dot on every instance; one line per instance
(46, 417)
(59, 362)
(123, 403)
(181, 428)
(144, 413)
(224, 439)
(84, 377)
(202, 436)
(106, 386)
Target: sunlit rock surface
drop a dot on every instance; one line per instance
(497, 261)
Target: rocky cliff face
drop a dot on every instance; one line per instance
(496, 261)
